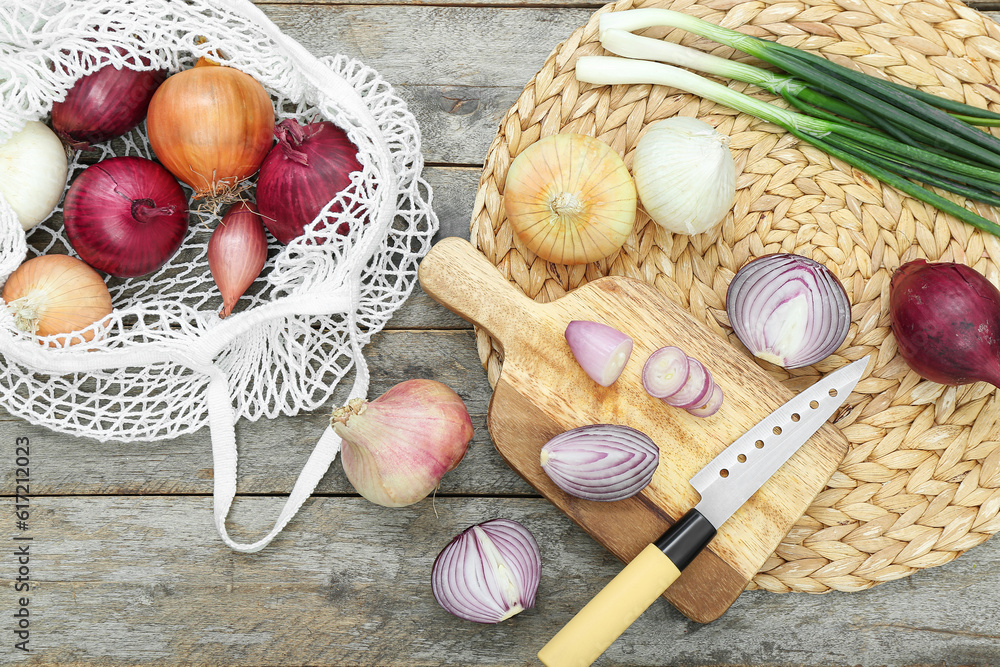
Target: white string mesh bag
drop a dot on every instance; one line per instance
(165, 363)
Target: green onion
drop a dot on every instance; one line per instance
(824, 134)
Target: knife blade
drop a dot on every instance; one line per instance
(725, 484)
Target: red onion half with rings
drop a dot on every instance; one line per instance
(125, 216)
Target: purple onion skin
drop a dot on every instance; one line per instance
(478, 599)
(601, 462)
(946, 320)
(105, 104)
(125, 216)
(307, 168)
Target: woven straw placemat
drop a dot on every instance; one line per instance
(921, 482)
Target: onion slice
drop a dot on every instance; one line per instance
(788, 309)
(601, 350)
(696, 389)
(604, 462)
(665, 372)
(488, 572)
(711, 406)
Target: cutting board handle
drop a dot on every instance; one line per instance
(459, 277)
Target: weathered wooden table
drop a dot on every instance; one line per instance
(126, 567)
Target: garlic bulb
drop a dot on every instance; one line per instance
(397, 448)
(685, 175)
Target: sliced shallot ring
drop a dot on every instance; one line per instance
(665, 372)
(711, 406)
(695, 390)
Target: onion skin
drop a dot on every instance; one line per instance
(946, 321)
(397, 448)
(105, 104)
(601, 350)
(33, 170)
(788, 309)
(488, 572)
(570, 199)
(57, 294)
(125, 216)
(211, 127)
(602, 462)
(301, 174)
(237, 252)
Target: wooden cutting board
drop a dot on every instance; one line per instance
(542, 391)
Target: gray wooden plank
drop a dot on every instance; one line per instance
(145, 580)
(271, 451)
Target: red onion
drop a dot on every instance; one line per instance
(604, 462)
(788, 309)
(946, 320)
(601, 350)
(489, 572)
(125, 216)
(105, 104)
(237, 251)
(306, 169)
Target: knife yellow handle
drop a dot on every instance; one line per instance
(610, 612)
(598, 624)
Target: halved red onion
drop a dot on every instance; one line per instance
(711, 406)
(604, 462)
(696, 389)
(601, 350)
(665, 371)
(788, 309)
(489, 572)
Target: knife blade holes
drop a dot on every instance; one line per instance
(759, 444)
(813, 404)
(723, 473)
(742, 458)
(776, 430)
(833, 393)
(795, 417)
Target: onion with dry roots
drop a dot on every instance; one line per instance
(57, 294)
(570, 199)
(211, 126)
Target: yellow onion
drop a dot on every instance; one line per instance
(397, 448)
(570, 199)
(56, 294)
(211, 126)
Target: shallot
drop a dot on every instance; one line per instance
(399, 446)
(237, 251)
(681, 381)
(57, 294)
(488, 572)
(125, 216)
(946, 321)
(601, 350)
(603, 462)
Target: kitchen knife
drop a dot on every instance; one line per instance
(725, 484)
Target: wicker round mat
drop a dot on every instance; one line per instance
(921, 482)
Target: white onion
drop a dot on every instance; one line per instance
(788, 309)
(33, 170)
(684, 174)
